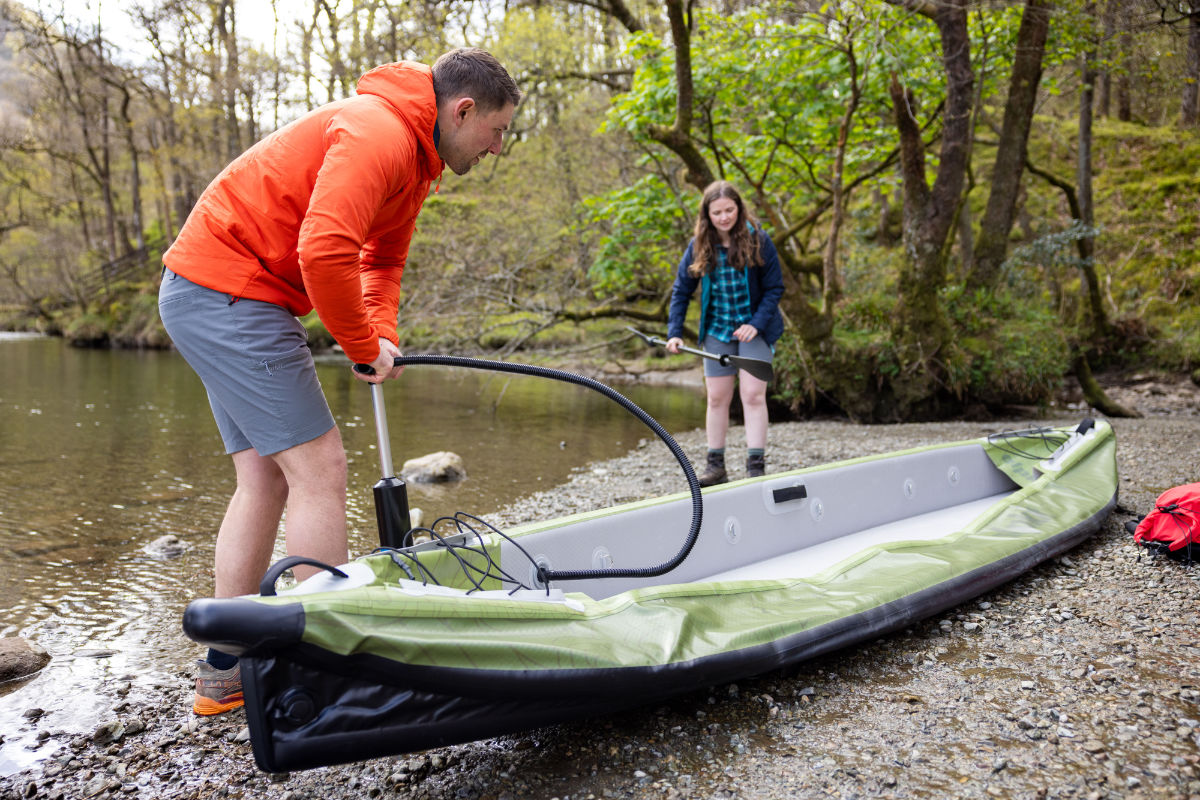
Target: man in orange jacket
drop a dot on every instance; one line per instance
(317, 215)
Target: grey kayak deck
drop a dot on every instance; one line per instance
(812, 560)
(765, 527)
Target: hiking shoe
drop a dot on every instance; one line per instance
(756, 466)
(714, 472)
(217, 690)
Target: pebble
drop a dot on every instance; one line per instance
(108, 732)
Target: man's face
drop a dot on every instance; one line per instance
(468, 135)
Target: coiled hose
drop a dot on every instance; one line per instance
(545, 576)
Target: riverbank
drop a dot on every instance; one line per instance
(1080, 679)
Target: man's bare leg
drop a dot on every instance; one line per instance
(247, 534)
(316, 504)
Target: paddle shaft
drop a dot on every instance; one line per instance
(754, 366)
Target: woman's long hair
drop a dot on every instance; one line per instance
(743, 245)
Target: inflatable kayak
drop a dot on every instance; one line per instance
(470, 636)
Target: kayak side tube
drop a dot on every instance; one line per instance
(240, 627)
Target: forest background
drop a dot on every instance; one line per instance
(973, 203)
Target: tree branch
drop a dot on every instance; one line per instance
(926, 8)
(606, 77)
(678, 137)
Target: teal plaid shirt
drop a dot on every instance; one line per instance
(730, 304)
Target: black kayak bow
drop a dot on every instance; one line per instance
(754, 366)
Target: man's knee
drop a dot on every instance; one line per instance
(258, 475)
(320, 461)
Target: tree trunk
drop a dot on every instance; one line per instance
(334, 53)
(966, 233)
(830, 275)
(105, 171)
(678, 137)
(227, 32)
(163, 200)
(1083, 180)
(1104, 80)
(991, 247)
(921, 328)
(1087, 268)
(1124, 98)
(276, 67)
(1191, 87)
(81, 209)
(1094, 393)
(1104, 94)
(176, 204)
(135, 175)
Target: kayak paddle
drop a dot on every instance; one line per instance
(755, 366)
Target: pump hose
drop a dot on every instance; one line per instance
(545, 576)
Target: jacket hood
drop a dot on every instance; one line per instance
(408, 87)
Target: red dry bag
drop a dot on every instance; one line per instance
(1173, 526)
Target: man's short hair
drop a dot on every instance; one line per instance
(475, 73)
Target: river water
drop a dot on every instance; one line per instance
(103, 452)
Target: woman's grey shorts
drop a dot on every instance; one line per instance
(755, 348)
(254, 360)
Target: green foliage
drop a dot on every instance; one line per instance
(1009, 350)
(1147, 255)
(137, 323)
(89, 329)
(867, 312)
(1015, 350)
(636, 229)
(1052, 255)
(770, 94)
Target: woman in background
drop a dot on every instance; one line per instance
(737, 267)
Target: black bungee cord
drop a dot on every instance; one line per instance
(1050, 438)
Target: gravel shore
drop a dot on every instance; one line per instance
(1081, 679)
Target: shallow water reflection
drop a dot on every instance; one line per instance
(102, 452)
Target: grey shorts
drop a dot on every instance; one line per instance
(755, 348)
(254, 361)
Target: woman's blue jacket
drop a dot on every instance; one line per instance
(764, 284)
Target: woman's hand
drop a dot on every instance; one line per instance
(673, 344)
(745, 333)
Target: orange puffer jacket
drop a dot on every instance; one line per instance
(320, 213)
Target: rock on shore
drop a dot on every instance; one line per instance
(1081, 679)
(20, 658)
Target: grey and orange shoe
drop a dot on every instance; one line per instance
(217, 690)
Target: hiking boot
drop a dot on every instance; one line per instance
(217, 690)
(714, 473)
(756, 466)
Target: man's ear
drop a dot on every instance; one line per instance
(459, 109)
